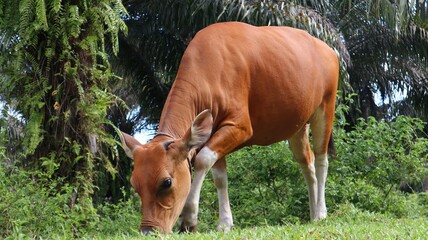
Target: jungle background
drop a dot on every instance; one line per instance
(73, 72)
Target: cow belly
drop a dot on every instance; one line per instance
(271, 130)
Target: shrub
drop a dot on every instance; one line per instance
(374, 159)
(30, 207)
(266, 186)
(34, 205)
(384, 154)
(265, 183)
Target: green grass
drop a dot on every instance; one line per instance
(347, 222)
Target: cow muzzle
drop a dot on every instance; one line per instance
(147, 231)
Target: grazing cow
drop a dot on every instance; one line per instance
(237, 85)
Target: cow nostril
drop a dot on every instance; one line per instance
(147, 231)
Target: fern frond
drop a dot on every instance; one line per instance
(26, 9)
(74, 21)
(54, 7)
(41, 19)
(34, 132)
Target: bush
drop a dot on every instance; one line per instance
(265, 183)
(33, 205)
(384, 154)
(123, 217)
(31, 209)
(372, 162)
(266, 186)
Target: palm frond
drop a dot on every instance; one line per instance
(385, 59)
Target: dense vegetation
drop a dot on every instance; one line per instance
(266, 188)
(71, 71)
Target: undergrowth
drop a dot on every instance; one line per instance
(267, 193)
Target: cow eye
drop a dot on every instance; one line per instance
(166, 183)
(166, 144)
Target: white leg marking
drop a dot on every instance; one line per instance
(311, 182)
(318, 126)
(300, 147)
(203, 162)
(225, 214)
(321, 167)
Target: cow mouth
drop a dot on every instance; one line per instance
(149, 228)
(147, 231)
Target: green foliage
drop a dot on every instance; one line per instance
(385, 153)
(266, 189)
(55, 73)
(373, 161)
(122, 217)
(55, 66)
(32, 210)
(32, 207)
(271, 178)
(35, 206)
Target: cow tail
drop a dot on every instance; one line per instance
(331, 147)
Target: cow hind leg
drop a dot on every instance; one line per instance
(321, 128)
(220, 181)
(299, 145)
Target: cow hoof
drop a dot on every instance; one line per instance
(224, 228)
(187, 229)
(320, 217)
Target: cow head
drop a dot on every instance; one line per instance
(161, 174)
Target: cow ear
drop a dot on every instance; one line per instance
(200, 131)
(129, 144)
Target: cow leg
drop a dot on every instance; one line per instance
(321, 127)
(220, 181)
(299, 145)
(221, 143)
(321, 168)
(189, 216)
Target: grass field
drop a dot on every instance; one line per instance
(347, 222)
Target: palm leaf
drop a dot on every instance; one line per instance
(386, 59)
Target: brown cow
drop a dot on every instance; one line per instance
(261, 85)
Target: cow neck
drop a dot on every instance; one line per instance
(164, 134)
(178, 113)
(175, 125)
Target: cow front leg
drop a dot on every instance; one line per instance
(226, 139)
(204, 160)
(220, 181)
